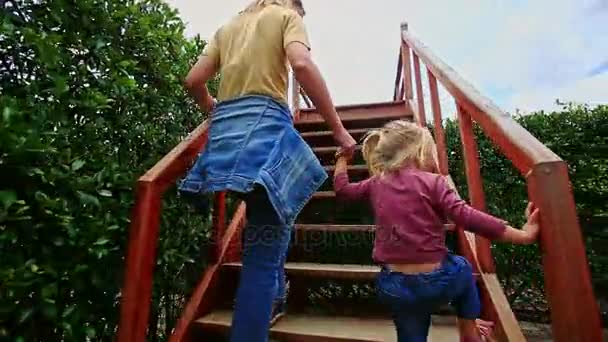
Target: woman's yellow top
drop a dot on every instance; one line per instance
(250, 52)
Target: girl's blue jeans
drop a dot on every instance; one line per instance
(262, 281)
(412, 298)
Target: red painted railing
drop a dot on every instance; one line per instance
(143, 236)
(574, 310)
(575, 315)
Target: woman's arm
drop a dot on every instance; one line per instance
(310, 78)
(196, 82)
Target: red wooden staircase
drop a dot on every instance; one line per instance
(354, 317)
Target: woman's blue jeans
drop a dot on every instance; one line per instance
(262, 281)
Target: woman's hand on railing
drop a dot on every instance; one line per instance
(210, 104)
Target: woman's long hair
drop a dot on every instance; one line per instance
(256, 5)
(399, 144)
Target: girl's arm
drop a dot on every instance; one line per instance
(341, 165)
(528, 233)
(484, 224)
(346, 190)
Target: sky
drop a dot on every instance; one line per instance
(521, 54)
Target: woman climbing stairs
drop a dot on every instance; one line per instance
(331, 298)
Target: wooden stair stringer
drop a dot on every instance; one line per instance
(202, 300)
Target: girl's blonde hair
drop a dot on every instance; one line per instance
(256, 5)
(399, 144)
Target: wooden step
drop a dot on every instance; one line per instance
(326, 138)
(324, 195)
(339, 228)
(356, 117)
(321, 328)
(335, 228)
(353, 177)
(352, 169)
(324, 271)
(356, 173)
(358, 123)
(330, 149)
(327, 154)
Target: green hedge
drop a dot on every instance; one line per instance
(579, 135)
(90, 98)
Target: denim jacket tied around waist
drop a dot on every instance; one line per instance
(252, 141)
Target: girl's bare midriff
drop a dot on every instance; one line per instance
(414, 268)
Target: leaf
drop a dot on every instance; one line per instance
(77, 164)
(7, 113)
(7, 198)
(49, 310)
(99, 44)
(7, 27)
(68, 311)
(49, 291)
(105, 193)
(88, 199)
(90, 331)
(25, 315)
(101, 242)
(61, 85)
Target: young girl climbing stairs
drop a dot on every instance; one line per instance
(410, 204)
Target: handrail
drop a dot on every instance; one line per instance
(203, 296)
(143, 234)
(397, 92)
(574, 310)
(515, 142)
(306, 99)
(295, 97)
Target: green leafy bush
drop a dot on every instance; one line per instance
(90, 97)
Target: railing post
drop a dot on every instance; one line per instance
(295, 97)
(474, 183)
(442, 153)
(306, 98)
(398, 95)
(574, 310)
(218, 222)
(419, 94)
(140, 261)
(401, 91)
(407, 66)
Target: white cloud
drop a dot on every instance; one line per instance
(592, 90)
(535, 49)
(509, 49)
